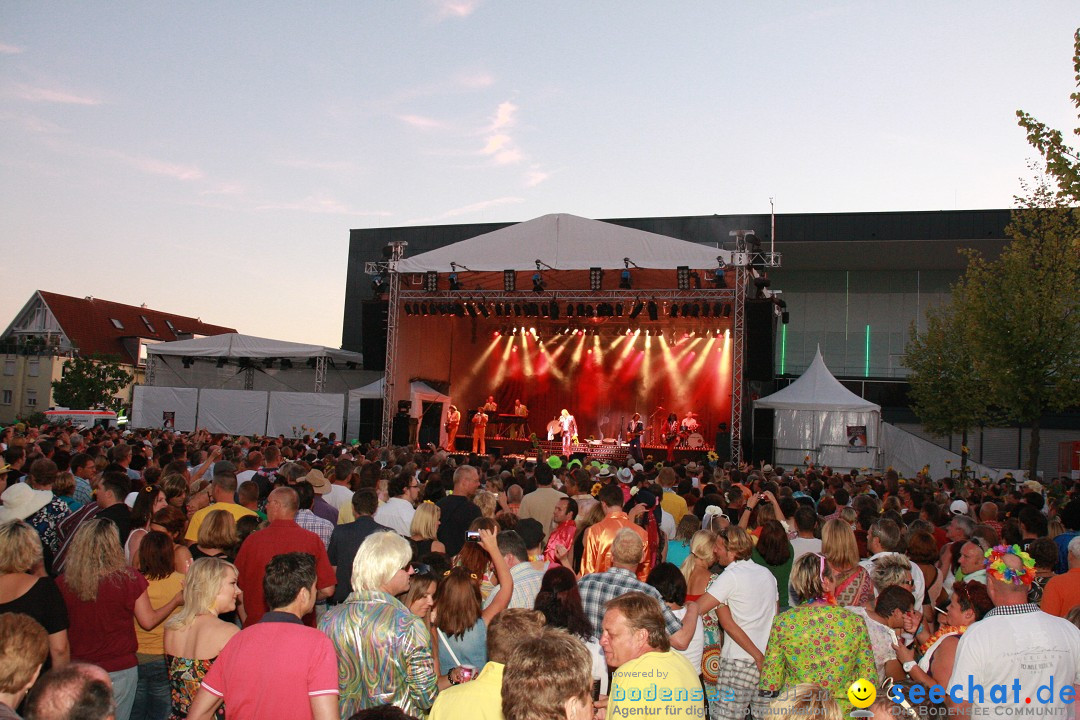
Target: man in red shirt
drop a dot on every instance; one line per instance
(277, 668)
(283, 535)
(561, 540)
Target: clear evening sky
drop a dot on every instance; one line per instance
(209, 158)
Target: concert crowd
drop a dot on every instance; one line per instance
(156, 575)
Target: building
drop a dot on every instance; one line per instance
(51, 328)
(853, 284)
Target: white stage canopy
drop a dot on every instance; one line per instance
(565, 242)
(817, 416)
(150, 406)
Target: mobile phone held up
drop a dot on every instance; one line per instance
(472, 536)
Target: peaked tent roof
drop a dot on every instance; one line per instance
(816, 389)
(565, 242)
(234, 345)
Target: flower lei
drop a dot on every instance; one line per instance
(941, 632)
(996, 567)
(595, 489)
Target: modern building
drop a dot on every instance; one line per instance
(50, 328)
(854, 285)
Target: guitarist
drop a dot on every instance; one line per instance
(671, 435)
(634, 430)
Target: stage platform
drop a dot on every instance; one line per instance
(603, 451)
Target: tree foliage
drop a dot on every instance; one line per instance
(1062, 161)
(91, 383)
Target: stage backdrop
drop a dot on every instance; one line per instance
(601, 379)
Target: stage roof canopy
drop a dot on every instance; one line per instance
(234, 345)
(816, 389)
(565, 242)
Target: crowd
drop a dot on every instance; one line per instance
(155, 575)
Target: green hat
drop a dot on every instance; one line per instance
(554, 462)
(574, 463)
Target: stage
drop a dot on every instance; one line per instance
(611, 453)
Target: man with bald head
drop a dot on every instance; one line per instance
(1015, 642)
(281, 536)
(76, 690)
(457, 511)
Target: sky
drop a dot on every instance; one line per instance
(209, 159)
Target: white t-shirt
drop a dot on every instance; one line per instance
(243, 477)
(338, 496)
(801, 546)
(1030, 647)
(667, 523)
(696, 647)
(749, 591)
(396, 514)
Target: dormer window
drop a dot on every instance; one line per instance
(169, 324)
(117, 324)
(146, 322)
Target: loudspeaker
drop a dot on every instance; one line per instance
(760, 340)
(399, 430)
(763, 435)
(403, 406)
(494, 451)
(373, 316)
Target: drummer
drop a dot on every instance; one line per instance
(689, 424)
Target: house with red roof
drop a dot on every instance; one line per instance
(52, 327)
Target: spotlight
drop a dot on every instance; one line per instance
(654, 310)
(517, 309)
(221, 362)
(618, 309)
(188, 361)
(624, 280)
(431, 281)
(686, 310)
(555, 311)
(538, 282)
(408, 309)
(268, 363)
(581, 310)
(784, 317)
(471, 309)
(484, 309)
(674, 312)
(596, 278)
(377, 284)
(695, 310)
(454, 284)
(509, 280)
(695, 279)
(638, 307)
(570, 310)
(682, 277)
(498, 309)
(286, 364)
(727, 309)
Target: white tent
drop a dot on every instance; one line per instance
(419, 393)
(234, 346)
(565, 242)
(818, 417)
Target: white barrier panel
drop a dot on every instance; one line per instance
(159, 407)
(234, 412)
(299, 414)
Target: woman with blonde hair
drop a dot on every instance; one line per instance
(852, 583)
(806, 701)
(487, 502)
(195, 635)
(217, 537)
(103, 594)
(22, 590)
(424, 530)
(696, 566)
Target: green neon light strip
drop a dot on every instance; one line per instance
(783, 349)
(867, 371)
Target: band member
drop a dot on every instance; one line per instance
(671, 435)
(634, 430)
(569, 430)
(518, 428)
(491, 409)
(689, 424)
(453, 421)
(479, 424)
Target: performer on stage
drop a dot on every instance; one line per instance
(569, 430)
(453, 421)
(689, 424)
(671, 435)
(479, 424)
(491, 409)
(634, 430)
(518, 430)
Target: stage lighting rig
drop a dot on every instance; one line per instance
(509, 281)
(682, 277)
(596, 278)
(431, 281)
(538, 282)
(654, 310)
(455, 286)
(695, 279)
(638, 307)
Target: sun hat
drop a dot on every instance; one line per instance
(625, 475)
(21, 501)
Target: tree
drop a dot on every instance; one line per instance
(1062, 161)
(90, 383)
(1022, 312)
(947, 391)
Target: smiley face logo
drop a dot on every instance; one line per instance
(862, 693)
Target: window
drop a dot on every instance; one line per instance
(5, 399)
(146, 322)
(168, 323)
(117, 324)
(9, 366)
(33, 367)
(31, 398)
